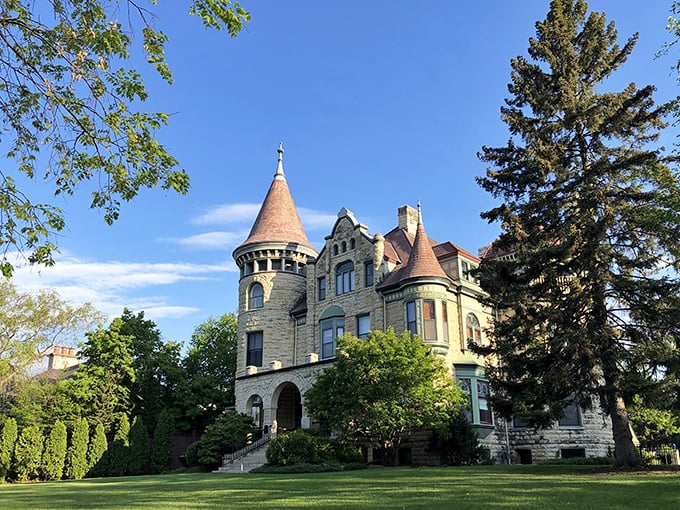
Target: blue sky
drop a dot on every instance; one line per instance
(378, 104)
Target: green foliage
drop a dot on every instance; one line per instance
(299, 447)
(210, 366)
(28, 453)
(591, 212)
(102, 384)
(71, 113)
(653, 425)
(96, 452)
(384, 389)
(8, 440)
(31, 324)
(581, 461)
(457, 442)
(76, 464)
(191, 454)
(229, 432)
(160, 381)
(161, 445)
(118, 464)
(139, 447)
(54, 455)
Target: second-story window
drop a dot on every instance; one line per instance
(344, 278)
(368, 274)
(255, 296)
(411, 324)
(429, 319)
(321, 288)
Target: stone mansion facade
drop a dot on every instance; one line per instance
(294, 301)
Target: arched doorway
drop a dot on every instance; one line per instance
(288, 408)
(255, 410)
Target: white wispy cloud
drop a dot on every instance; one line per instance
(219, 239)
(316, 220)
(228, 213)
(109, 285)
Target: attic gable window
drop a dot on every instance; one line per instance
(344, 278)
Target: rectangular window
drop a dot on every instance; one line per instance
(411, 324)
(344, 278)
(368, 274)
(276, 264)
(571, 416)
(445, 322)
(363, 326)
(254, 352)
(483, 401)
(519, 423)
(261, 265)
(429, 319)
(330, 331)
(321, 289)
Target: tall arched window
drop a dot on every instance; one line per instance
(473, 331)
(344, 278)
(255, 296)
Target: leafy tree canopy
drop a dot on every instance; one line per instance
(590, 218)
(384, 389)
(31, 324)
(70, 109)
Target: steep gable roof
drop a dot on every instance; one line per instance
(278, 219)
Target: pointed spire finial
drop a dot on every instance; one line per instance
(420, 214)
(279, 167)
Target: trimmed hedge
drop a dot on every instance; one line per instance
(305, 447)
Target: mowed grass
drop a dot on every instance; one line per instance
(506, 487)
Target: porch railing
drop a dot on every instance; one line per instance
(230, 458)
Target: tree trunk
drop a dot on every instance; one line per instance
(624, 449)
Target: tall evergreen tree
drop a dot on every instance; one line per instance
(118, 464)
(96, 452)
(75, 466)
(591, 213)
(161, 445)
(8, 439)
(28, 453)
(55, 452)
(139, 447)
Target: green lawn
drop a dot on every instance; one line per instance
(507, 487)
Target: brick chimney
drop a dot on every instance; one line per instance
(62, 357)
(408, 219)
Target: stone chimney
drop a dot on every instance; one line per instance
(62, 357)
(408, 219)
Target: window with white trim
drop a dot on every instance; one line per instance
(363, 326)
(344, 278)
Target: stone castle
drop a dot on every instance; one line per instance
(294, 301)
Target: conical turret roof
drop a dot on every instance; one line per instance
(422, 260)
(278, 219)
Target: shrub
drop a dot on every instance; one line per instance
(191, 454)
(96, 452)
(457, 442)
(228, 432)
(76, 453)
(8, 440)
(54, 455)
(28, 453)
(139, 448)
(161, 445)
(300, 447)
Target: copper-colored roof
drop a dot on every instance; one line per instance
(420, 258)
(278, 219)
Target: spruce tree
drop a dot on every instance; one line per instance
(76, 454)
(584, 274)
(118, 464)
(96, 452)
(161, 445)
(8, 440)
(28, 453)
(139, 447)
(55, 452)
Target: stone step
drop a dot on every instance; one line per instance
(254, 459)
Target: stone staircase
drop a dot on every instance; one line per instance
(250, 457)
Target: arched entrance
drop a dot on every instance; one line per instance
(288, 408)
(255, 410)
